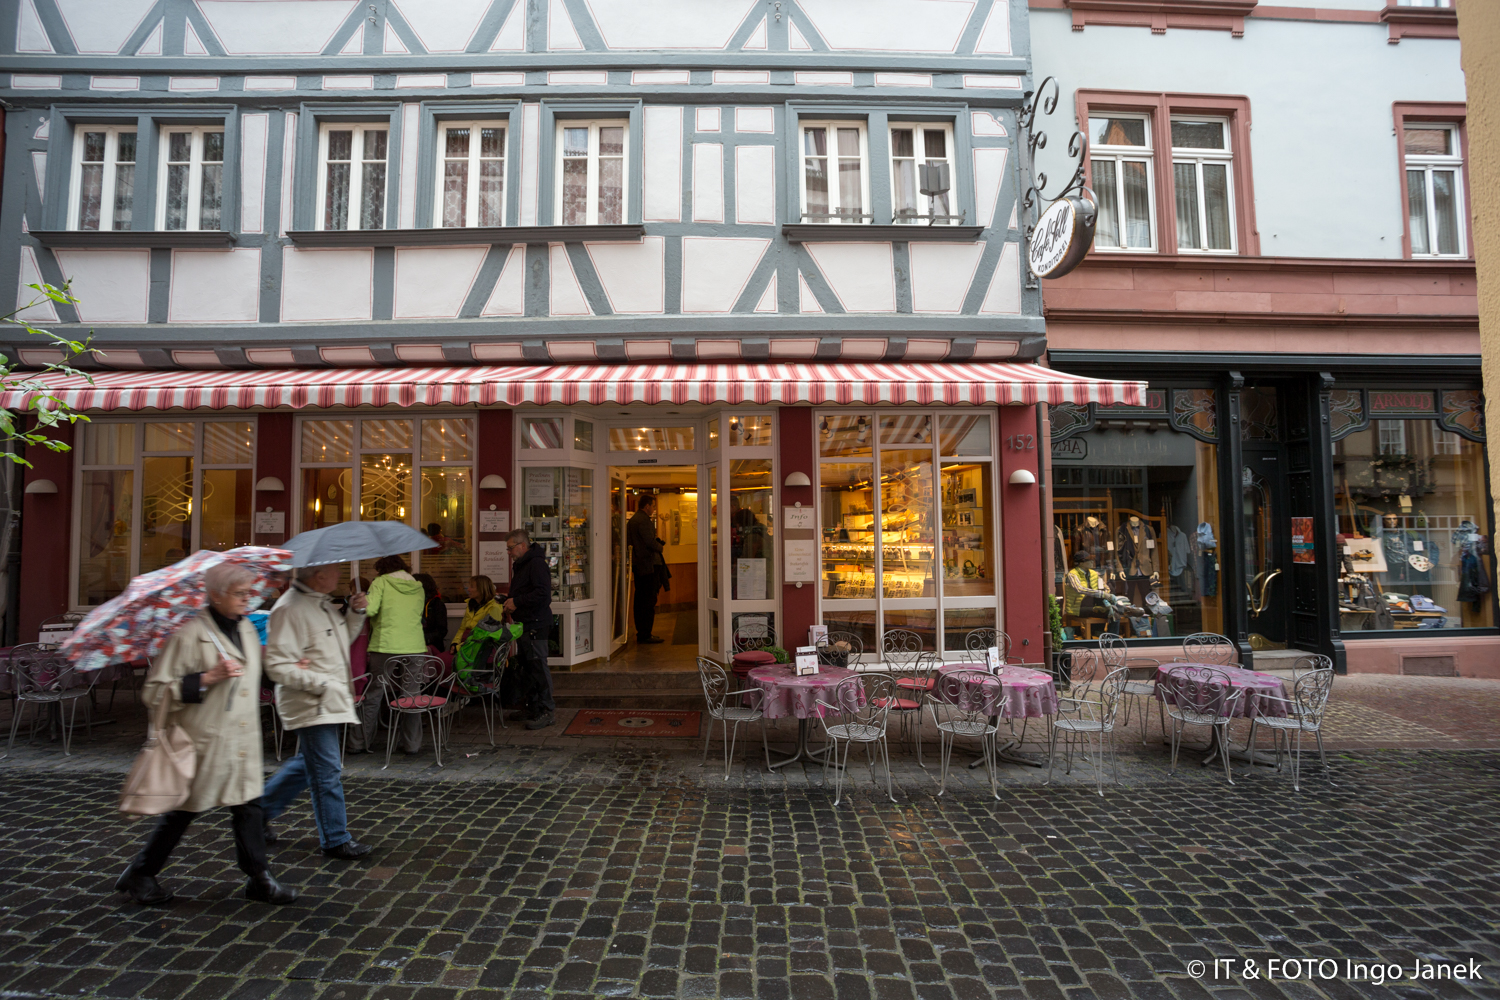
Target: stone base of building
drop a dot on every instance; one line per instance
(1465, 656)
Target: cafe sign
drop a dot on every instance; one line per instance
(1062, 236)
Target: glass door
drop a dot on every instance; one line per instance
(620, 577)
(1266, 538)
(711, 622)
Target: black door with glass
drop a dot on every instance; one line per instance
(1266, 564)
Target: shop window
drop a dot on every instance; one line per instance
(471, 168)
(1120, 164)
(103, 178)
(752, 519)
(591, 173)
(352, 168)
(418, 472)
(835, 180)
(192, 179)
(750, 432)
(921, 152)
(651, 438)
(545, 433)
(154, 492)
(1136, 531)
(1413, 510)
(1434, 189)
(907, 524)
(556, 509)
(583, 435)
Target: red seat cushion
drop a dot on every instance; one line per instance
(754, 658)
(898, 704)
(916, 683)
(420, 701)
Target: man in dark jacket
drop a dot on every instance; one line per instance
(530, 603)
(645, 557)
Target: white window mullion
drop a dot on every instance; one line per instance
(107, 184)
(195, 180)
(471, 184)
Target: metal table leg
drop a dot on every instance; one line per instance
(803, 750)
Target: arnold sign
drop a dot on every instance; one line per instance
(1062, 236)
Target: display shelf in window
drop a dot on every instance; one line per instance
(556, 506)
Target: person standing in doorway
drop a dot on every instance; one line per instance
(645, 557)
(530, 603)
(307, 655)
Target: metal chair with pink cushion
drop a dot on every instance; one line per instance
(416, 685)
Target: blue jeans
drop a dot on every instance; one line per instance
(316, 767)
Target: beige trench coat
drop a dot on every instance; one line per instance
(225, 726)
(308, 625)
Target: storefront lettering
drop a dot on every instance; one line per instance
(1401, 402)
(1062, 236)
(1021, 442)
(1071, 449)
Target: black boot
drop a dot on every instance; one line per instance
(264, 888)
(142, 888)
(269, 835)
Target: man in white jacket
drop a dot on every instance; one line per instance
(307, 655)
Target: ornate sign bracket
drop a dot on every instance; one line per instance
(1059, 227)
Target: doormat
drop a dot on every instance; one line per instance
(685, 631)
(638, 722)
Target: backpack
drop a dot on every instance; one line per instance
(485, 648)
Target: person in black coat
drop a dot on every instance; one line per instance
(530, 603)
(434, 612)
(645, 562)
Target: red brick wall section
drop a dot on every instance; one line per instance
(45, 534)
(1021, 574)
(273, 458)
(799, 606)
(494, 454)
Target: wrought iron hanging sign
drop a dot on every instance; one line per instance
(1059, 228)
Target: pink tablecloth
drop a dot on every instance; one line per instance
(1247, 683)
(790, 696)
(1014, 693)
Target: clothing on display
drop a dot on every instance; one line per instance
(1408, 557)
(1208, 569)
(1090, 538)
(1081, 585)
(1179, 552)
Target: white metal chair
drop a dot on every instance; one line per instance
(966, 715)
(1095, 720)
(732, 708)
(1305, 710)
(1200, 696)
(861, 707)
(1208, 647)
(43, 679)
(913, 687)
(415, 685)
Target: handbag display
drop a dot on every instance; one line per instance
(161, 778)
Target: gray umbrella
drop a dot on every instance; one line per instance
(351, 541)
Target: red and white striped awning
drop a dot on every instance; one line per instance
(954, 383)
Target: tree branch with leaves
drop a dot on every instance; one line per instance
(45, 410)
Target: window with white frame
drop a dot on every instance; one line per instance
(352, 167)
(1201, 161)
(922, 159)
(835, 177)
(1392, 436)
(1434, 189)
(591, 172)
(154, 491)
(1120, 163)
(103, 178)
(191, 179)
(471, 168)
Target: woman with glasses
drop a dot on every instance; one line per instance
(209, 673)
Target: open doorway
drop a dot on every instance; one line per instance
(674, 490)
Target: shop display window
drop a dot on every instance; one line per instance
(652, 439)
(1136, 529)
(155, 492)
(1413, 525)
(752, 521)
(750, 432)
(907, 523)
(541, 433)
(557, 511)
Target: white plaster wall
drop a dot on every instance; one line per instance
(432, 282)
(755, 185)
(509, 295)
(862, 275)
(708, 182)
(280, 27)
(668, 24)
(715, 271)
(633, 275)
(1324, 155)
(215, 286)
(327, 285)
(941, 274)
(112, 286)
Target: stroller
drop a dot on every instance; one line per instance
(479, 669)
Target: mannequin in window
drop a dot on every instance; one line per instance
(1090, 537)
(1135, 559)
(1084, 589)
(1408, 557)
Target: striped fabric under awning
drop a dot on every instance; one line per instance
(896, 382)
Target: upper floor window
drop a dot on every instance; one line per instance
(1434, 189)
(192, 179)
(591, 172)
(471, 163)
(1120, 161)
(103, 178)
(351, 176)
(1201, 160)
(835, 178)
(922, 160)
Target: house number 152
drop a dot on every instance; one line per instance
(1021, 442)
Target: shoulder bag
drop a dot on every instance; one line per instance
(162, 776)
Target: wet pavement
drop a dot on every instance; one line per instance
(570, 870)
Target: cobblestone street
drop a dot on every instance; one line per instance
(627, 871)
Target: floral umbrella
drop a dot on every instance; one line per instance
(138, 623)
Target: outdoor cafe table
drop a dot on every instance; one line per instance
(1246, 703)
(1014, 692)
(789, 696)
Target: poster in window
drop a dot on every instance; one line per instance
(1366, 555)
(751, 579)
(540, 488)
(583, 633)
(1302, 540)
